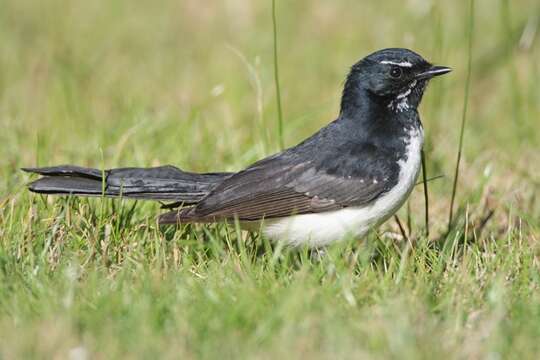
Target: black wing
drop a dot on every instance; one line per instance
(286, 184)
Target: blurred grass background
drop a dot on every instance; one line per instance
(190, 83)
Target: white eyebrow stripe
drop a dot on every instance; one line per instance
(402, 64)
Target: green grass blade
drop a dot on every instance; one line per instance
(276, 78)
(470, 33)
(426, 193)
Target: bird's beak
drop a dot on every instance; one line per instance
(434, 70)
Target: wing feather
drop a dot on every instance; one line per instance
(297, 182)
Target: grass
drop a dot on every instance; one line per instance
(121, 84)
(276, 78)
(470, 37)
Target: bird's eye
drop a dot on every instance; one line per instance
(396, 72)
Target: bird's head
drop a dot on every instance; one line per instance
(394, 77)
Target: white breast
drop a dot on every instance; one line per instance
(321, 229)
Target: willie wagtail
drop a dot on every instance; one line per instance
(345, 179)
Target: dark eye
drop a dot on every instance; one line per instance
(396, 72)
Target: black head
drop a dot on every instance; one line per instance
(394, 77)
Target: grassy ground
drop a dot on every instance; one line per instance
(123, 83)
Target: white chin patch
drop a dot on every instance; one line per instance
(401, 102)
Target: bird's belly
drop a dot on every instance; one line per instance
(316, 230)
(320, 229)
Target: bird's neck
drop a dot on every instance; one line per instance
(357, 102)
(364, 109)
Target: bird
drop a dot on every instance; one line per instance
(341, 182)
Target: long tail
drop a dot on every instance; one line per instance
(159, 183)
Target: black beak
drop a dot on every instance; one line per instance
(434, 70)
